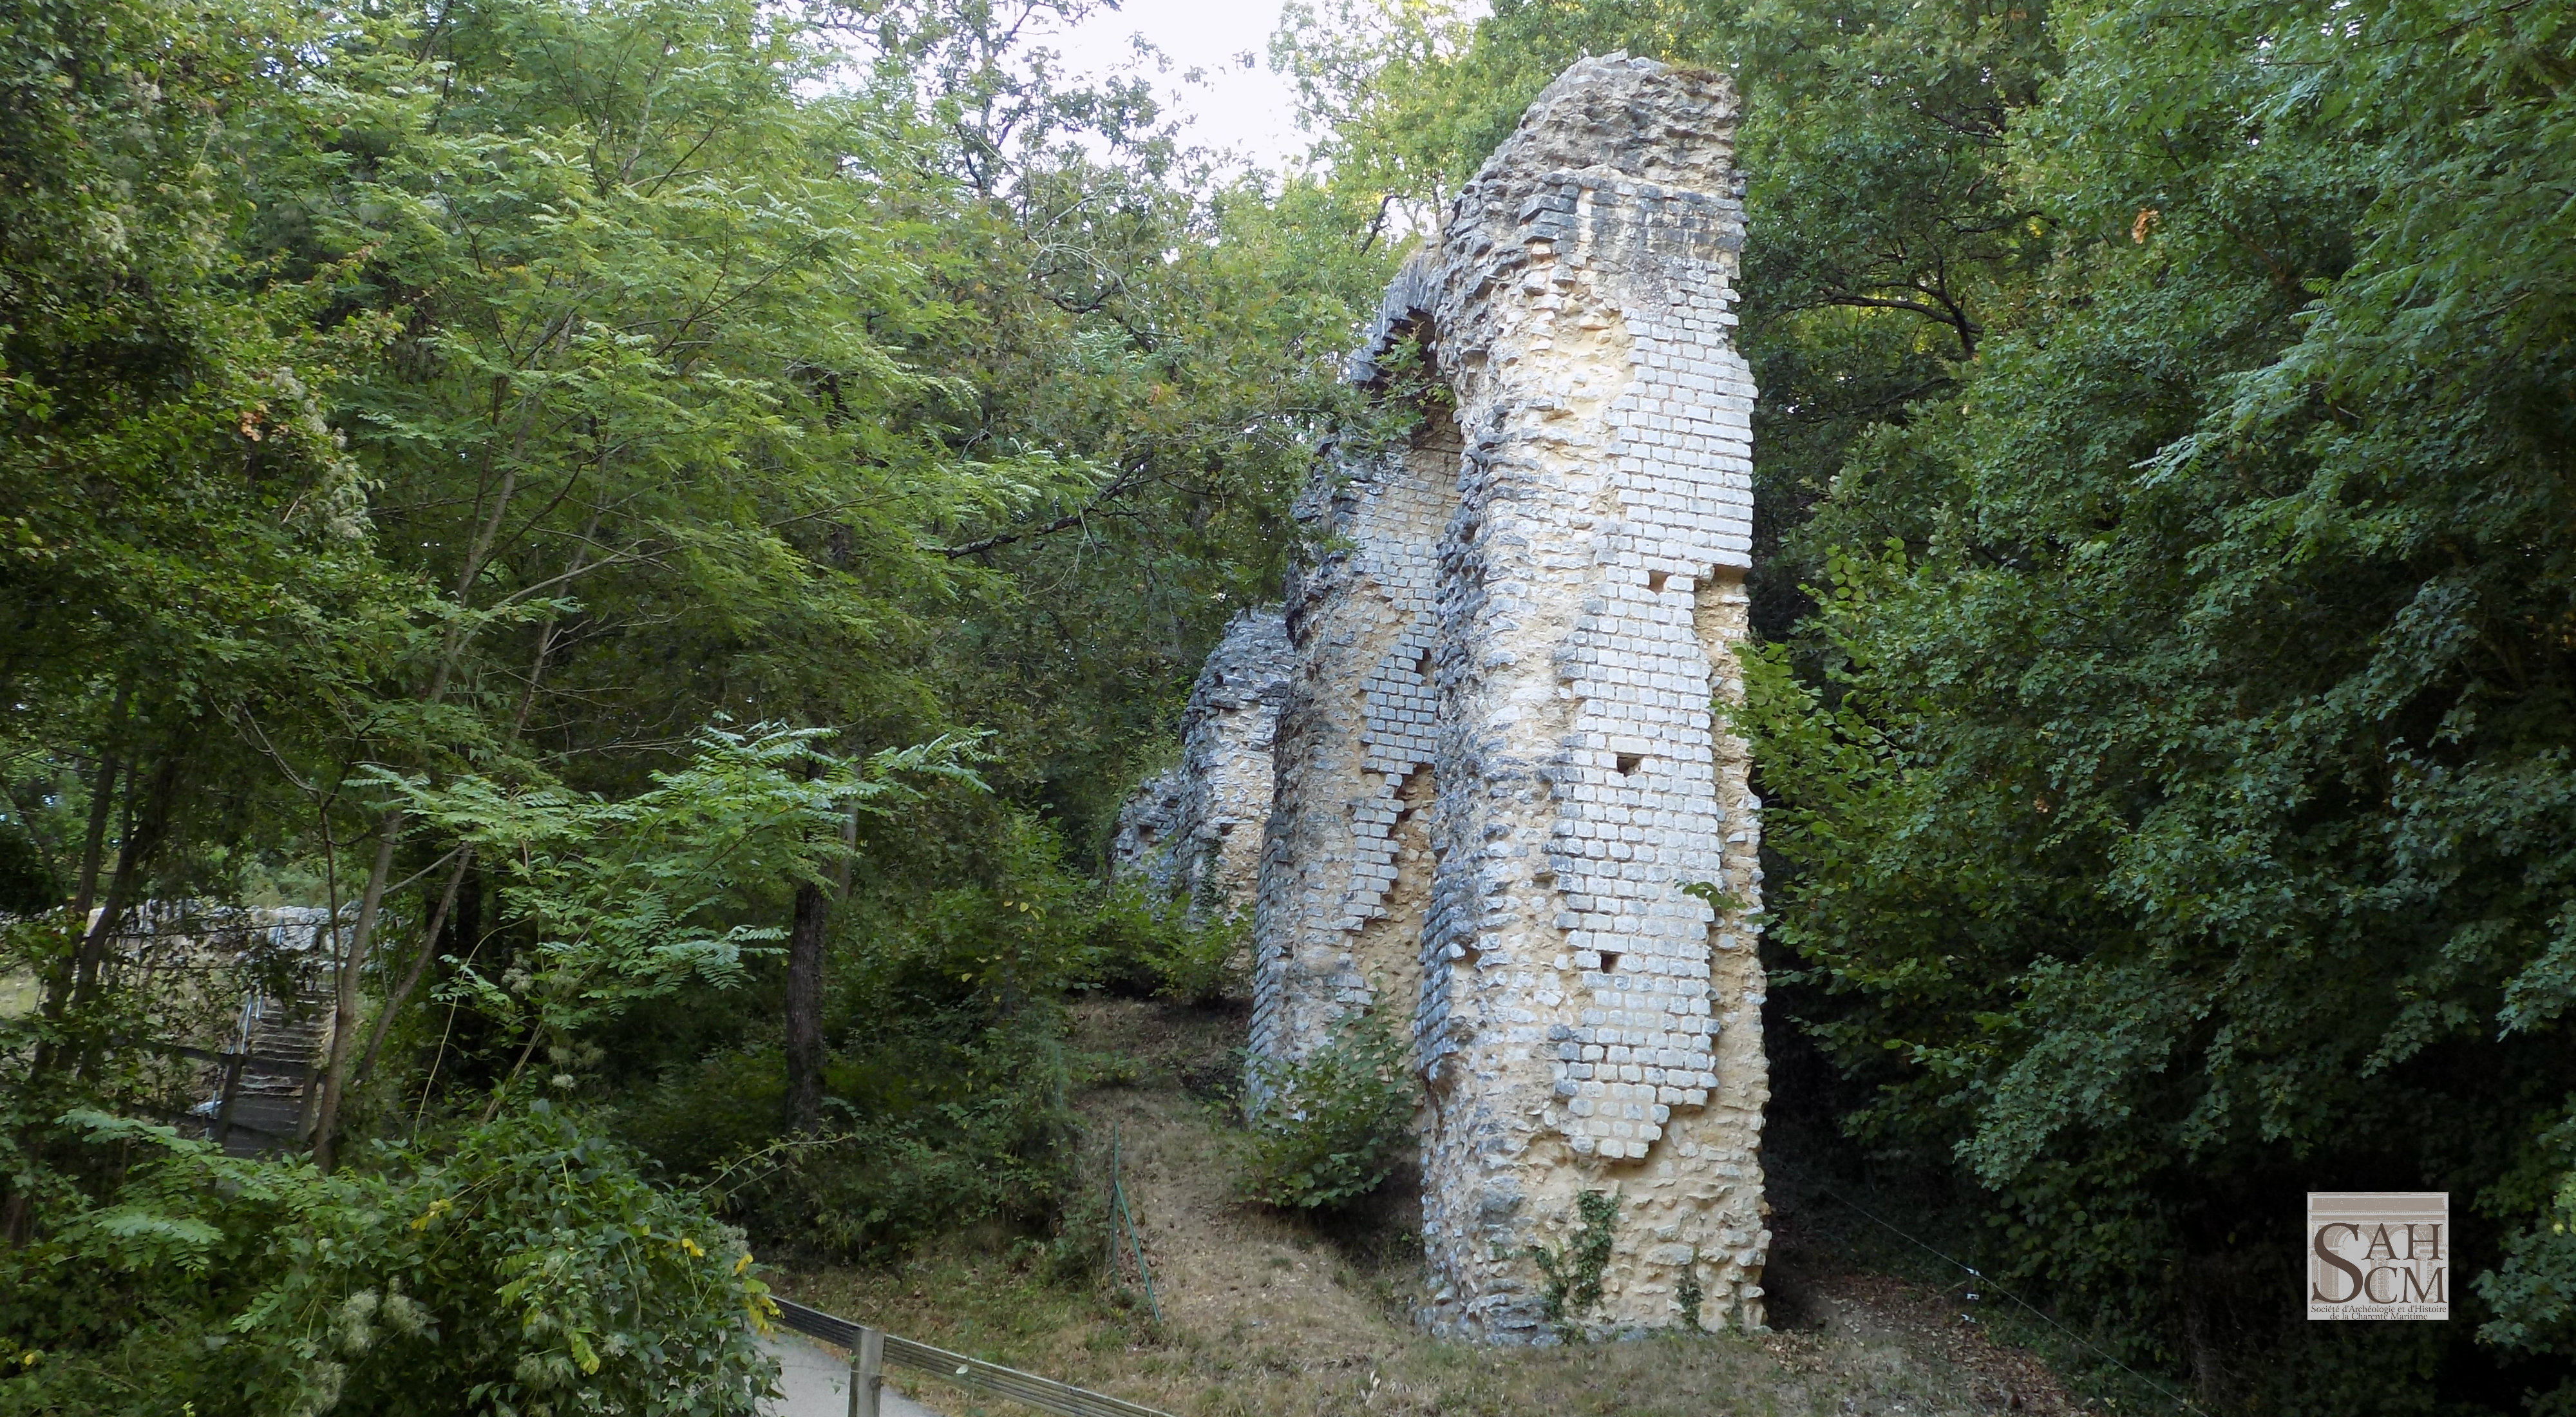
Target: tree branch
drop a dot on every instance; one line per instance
(1116, 487)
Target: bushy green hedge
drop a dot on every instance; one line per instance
(945, 1093)
(527, 1270)
(1329, 1129)
(933, 1122)
(1154, 946)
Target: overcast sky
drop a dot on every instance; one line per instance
(1247, 108)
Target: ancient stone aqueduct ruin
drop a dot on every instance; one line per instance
(1469, 774)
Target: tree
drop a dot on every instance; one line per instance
(424, 421)
(2177, 820)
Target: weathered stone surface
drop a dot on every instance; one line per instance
(1502, 800)
(1346, 865)
(1194, 832)
(1585, 1022)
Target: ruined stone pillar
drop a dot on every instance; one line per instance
(1194, 833)
(1588, 1020)
(1502, 802)
(1346, 868)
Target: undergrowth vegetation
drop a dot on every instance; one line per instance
(524, 1265)
(2162, 480)
(1573, 1283)
(671, 525)
(1326, 1130)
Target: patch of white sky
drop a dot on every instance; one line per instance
(1213, 71)
(1207, 61)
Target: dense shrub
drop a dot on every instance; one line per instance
(527, 1270)
(1155, 947)
(1204, 963)
(932, 1124)
(1329, 1128)
(948, 1070)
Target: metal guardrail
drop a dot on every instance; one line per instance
(872, 1349)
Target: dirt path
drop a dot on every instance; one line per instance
(1262, 1315)
(1221, 1267)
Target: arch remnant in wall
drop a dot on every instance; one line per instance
(1345, 871)
(1503, 805)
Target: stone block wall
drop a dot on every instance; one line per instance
(1503, 803)
(1345, 871)
(1587, 1021)
(1193, 833)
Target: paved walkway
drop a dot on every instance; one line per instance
(814, 1381)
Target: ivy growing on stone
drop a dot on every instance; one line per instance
(1574, 1273)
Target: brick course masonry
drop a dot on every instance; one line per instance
(1496, 769)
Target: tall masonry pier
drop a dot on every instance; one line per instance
(1502, 808)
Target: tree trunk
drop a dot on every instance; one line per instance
(335, 1079)
(419, 967)
(805, 1010)
(17, 1213)
(344, 1009)
(59, 981)
(94, 841)
(134, 852)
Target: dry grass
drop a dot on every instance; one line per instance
(1267, 1317)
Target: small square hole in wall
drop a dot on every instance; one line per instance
(1609, 960)
(1422, 666)
(1655, 580)
(1630, 762)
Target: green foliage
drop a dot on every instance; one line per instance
(2173, 777)
(1329, 1128)
(27, 885)
(527, 1268)
(1155, 945)
(2533, 1293)
(2162, 472)
(1206, 963)
(627, 899)
(415, 419)
(930, 1129)
(1573, 1283)
(946, 1075)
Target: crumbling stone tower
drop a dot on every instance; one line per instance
(1503, 808)
(1193, 833)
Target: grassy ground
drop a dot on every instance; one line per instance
(1267, 1317)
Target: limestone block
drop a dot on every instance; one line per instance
(1346, 865)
